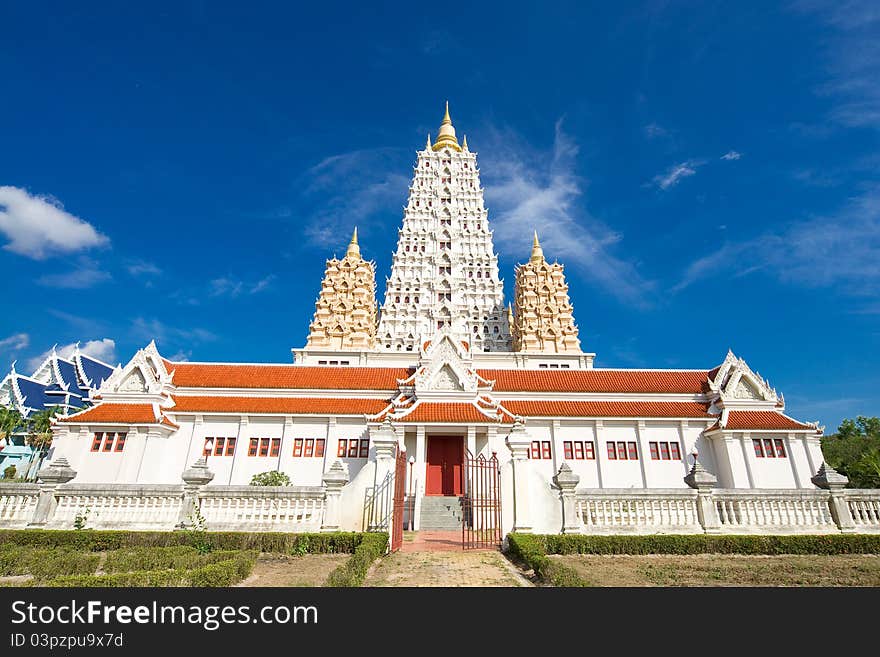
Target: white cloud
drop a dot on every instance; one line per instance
(104, 350)
(38, 226)
(142, 268)
(85, 276)
(675, 174)
(153, 329)
(731, 155)
(15, 342)
(231, 287)
(802, 252)
(654, 131)
(181, 356)
(527, 190)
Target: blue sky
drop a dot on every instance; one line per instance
(707, 172)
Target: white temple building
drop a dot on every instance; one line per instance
(448, 370)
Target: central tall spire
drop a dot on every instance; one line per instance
(444, 274)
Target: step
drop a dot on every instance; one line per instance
(440, 512)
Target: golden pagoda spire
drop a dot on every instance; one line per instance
(446, 134)
(537, 251)
(464, 143)
(429, 142)
(354, 251)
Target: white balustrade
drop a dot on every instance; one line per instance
(118, 507)
(781, 511)
(271, 508)
(864, 507)
(645, 512)
(17, 504)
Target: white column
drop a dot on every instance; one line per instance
(789, 439)
(599, 451)
(644, 453)
(472, 440)
(286, 433)
(519, 443)
(748, 452)
(419, 471)
(556, 445)
(682, 448)
(242, 441)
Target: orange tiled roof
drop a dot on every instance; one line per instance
(283, 405)
(634, 381)
(119, 414)
(746, 420)
(226, 375)
(445, 412)
(606, 409)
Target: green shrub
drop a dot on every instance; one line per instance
(9, 473)
(106, 540)
(531, 550)
(270, 478)
(44, 563)
(354, 570)
(707, 544)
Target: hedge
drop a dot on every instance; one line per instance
(707, 544)
(354, 570)
(530, 550)
(44, 563)
(92, 540)
(181, 557)
(222, 573)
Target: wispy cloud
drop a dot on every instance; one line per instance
(38, 226)
(800, 253)
(104, 350)
(655, 131)
(142, 268)
(530, 190)
(153, 329)
(731, 155)
(86, 275)
(852, 58)
(12, 345)
(360, 188)
(228, 286)
(676, 173)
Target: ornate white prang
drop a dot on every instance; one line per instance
(444, 273)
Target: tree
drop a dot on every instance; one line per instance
(10, 420)
(855, 451)
(270, 478)
(39, 434)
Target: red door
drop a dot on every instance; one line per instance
(444, 466)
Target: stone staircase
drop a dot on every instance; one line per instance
(440, 513)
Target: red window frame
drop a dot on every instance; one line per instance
(768, 448)
(655, 453)
(621, 451)
(545, 450)
(319, 448)
(341, 448)
(275, 449)
(108, 442)
(230, 446)
(298, 447)
(589, 451)
(579, 451)
(219, 446)
(252, 447)
(633, 452)
(364, 448)
(352, 449)
(264, 447)
(310, 447)
(664, 451)
(567, 451)
(779, 444)
(759, 448)
(120, 442)
(536, 449)
(612, 452)
(97, 440)
(674, 452)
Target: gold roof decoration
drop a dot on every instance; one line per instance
(446, 135)
(353, 251)
(537, 251)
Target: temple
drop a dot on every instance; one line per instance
(448, 374)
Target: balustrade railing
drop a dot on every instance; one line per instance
(270, 508)
(625, 510)
(17, 504)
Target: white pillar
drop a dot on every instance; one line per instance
(242, 442)
(334, 480)
(748, 452)
(472, 440)
(566, 481)
(599, 452)
(519, 443)
(644, 452)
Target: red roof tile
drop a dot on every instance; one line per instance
(445, 412)
(119, 414)
(605, 409)
(634, 381)
(226, 375)
(747, 420)
(281, 405)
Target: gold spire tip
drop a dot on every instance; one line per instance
(353, 249)
(537, 251)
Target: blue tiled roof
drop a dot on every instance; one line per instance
(95, 371)
(68, 373)
(34, 393)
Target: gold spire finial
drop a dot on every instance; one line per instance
(429, 141)
(354, 251)
(464, 143)
(446, 134)
(537, 251)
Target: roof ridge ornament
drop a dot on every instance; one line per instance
(446, 135)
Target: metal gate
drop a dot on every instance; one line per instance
(481, 503)
(399, 499)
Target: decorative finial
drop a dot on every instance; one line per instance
(464, 143)
(537, 251)
(354, 251)
(446, 134)
(428, 146)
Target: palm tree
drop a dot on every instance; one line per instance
(10, 420)
(39, 434)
